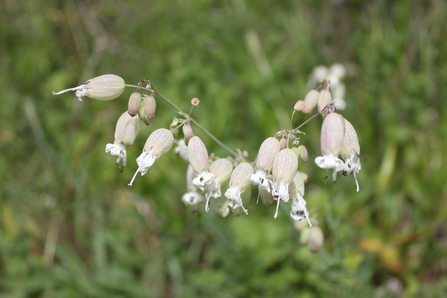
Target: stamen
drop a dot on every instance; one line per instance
(134, 176)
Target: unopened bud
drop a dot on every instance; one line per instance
(134, 103)
(302, 153)
(266, 154)
(105, 87)
(198, 155)
(332, 134)
(310, 101)
(315, 239)
(282, 144)
(299, 105)
(187, 131)
(300, 225)
(195, 101)
(324, 99)
(149, 108)
(127, 129)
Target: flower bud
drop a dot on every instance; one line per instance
(332, 134)
(302, 153)
(310, 101)
(105, 87)
(304, 236)
(198, 155)
(187, 131)
(221, 168)
(159, 142)
(134, 104)
(324, 99)
(149, 107)
(282, 144)
(299, 105)
(127, 129)
(315, 239)
(299, 225)
(266, 154)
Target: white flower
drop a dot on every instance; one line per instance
(157, 144)
(264, 163)
(238, 184)
(331, 139)
(299, 210)
(350, 151)
(181, 149)
(105, 87)
(192, 198)
(284, 169)
(126, 131)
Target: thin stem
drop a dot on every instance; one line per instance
(214, 138)
(302, 124)
(191, 119)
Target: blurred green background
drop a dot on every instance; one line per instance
(71, 227)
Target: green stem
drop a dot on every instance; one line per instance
(302, 124)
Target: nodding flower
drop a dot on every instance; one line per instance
(331, 139)
(238, 184)
(264, 163)
(193, 197)
(158, 143)
(220, 170)
(105, 87)
(284, 169)
(126, 131)
(349, 151)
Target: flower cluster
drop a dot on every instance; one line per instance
(275, 171)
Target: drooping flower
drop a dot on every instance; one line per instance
(158, 143)
(238, 184)
(193, 197)
(349, 151)
(264, 163)
(310, 101)
(105, 87)
(284, 169)
(331, 139)
(198, 159)
(296, 192)
(324, 99)
(221, 170)
(126, 131)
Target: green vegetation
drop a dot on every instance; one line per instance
(71, 227)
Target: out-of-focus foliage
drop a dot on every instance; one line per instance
(71, 227)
